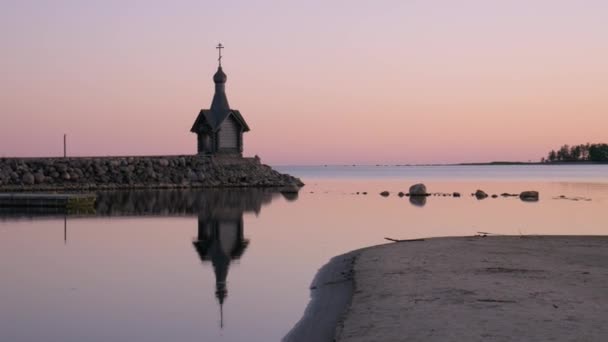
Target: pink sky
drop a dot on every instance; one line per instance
(318, 81)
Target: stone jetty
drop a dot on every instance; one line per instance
(138, 172)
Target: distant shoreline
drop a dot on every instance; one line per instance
(537, 163)
(494, 163)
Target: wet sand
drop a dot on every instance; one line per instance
(506, 288)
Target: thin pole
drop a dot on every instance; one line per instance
(65, 229)
(65, 154)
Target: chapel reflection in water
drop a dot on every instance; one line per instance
(220, 239)
(220, 226)
(220, 236)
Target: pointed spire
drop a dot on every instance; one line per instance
(221, 292)
(220, 101)
(221, 315)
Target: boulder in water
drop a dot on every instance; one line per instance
(418, 190)
(480, 194)
(530, 196)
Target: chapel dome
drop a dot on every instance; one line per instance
(219, 76)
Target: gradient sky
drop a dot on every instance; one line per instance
(318, 81)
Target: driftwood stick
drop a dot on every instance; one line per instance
(397, 240)
(486, 233)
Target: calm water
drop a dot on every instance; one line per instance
(236, 265)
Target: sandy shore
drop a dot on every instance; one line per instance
(331, 292)
(549, 288)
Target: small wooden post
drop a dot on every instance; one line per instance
(65, 154)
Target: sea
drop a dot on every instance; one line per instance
(236, 265)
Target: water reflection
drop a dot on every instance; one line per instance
(220, 240)
(211, 202)
(219, 203)
(133, 265)
(418, 201)
(220, 235)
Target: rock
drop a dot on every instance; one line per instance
(100, 171)
(39, 177)
(418, 190)
(456, 194)
(144, 172)
(192, 176)
(530, 196)
(480, 194)
(201, 176)
(506, 194)
(385, 193)
(150, 172)
(494, 196)
(28, 178)
(400, 194)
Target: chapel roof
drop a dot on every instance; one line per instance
(220, 110)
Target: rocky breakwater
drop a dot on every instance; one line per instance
(104, 173)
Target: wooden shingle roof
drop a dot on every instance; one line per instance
(211, 119)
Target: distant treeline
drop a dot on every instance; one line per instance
(578, 153)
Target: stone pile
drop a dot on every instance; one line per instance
(100, 173)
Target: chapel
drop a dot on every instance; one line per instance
(220, 129)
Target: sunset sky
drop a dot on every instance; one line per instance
(319, 82)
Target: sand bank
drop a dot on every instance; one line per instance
(330, 292)
(479, 289)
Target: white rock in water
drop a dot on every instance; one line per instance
(418, 190)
